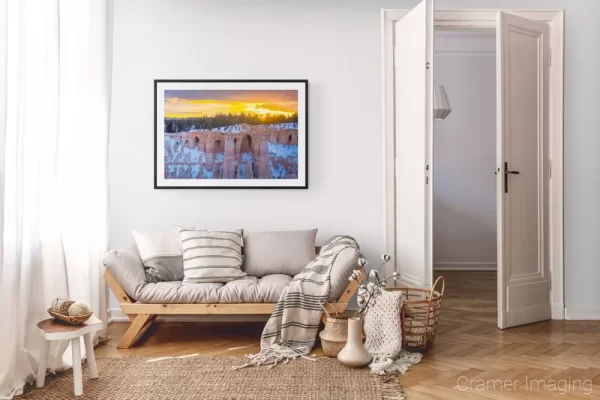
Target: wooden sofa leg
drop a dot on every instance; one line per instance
(138, 327)
(340, 306)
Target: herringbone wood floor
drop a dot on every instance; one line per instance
(471, 358)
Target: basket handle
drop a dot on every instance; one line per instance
(435, 284)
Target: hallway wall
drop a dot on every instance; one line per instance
(464, 193)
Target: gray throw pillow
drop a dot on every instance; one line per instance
(161, 255)
(285, 252)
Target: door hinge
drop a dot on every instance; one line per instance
(427, 174)
(427, 65)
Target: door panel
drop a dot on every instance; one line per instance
(413, 56)
(523, 128)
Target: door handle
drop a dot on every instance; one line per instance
(506, 172)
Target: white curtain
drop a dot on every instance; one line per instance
(54, 114)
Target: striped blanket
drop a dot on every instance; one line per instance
(291, 330)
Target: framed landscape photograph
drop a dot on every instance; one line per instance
(231, 134)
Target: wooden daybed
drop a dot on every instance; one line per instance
(143, 315)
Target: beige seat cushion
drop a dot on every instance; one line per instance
(245, 290)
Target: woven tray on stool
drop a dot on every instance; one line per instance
(69, 319)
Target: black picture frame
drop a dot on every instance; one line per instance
(301, 185)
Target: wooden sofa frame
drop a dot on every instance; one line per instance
(143, 315)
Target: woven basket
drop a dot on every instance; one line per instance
(420, 315)
(69, 319)
(334, 336)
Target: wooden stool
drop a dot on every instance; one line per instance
(53, 330)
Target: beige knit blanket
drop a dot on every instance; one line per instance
(383, 329)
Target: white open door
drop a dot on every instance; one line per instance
(413, 67)
(523, 61)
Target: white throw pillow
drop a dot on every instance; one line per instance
(211, 255)
(161, 255)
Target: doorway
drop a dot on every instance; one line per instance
(464, 156)
(529, 134)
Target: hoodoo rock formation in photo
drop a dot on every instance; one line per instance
(239, 151)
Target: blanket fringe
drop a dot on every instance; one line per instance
(384, 364)
(391, 389)
(275, 355)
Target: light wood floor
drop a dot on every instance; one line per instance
(471, 358)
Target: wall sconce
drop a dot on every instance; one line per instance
(441, 105)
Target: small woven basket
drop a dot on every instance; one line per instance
(420, 315)
(334, 336)
(69, 319)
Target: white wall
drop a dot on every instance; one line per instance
(337, 50)
(464, 192)
(336, 45)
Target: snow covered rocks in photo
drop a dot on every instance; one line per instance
(239, 151)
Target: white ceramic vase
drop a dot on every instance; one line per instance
(354, 353)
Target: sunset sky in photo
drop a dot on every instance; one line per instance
(197, 103)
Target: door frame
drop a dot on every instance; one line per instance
(477, 19)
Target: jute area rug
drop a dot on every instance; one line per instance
(209, 378)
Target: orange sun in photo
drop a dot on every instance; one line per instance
(207, 103)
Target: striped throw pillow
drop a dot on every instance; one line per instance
(211, 255)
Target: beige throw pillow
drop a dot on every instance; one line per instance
(211, 255)
(285, 252)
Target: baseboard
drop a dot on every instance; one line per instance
(117, 315)
(465, 266)
(558, 311)
(582, 313)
